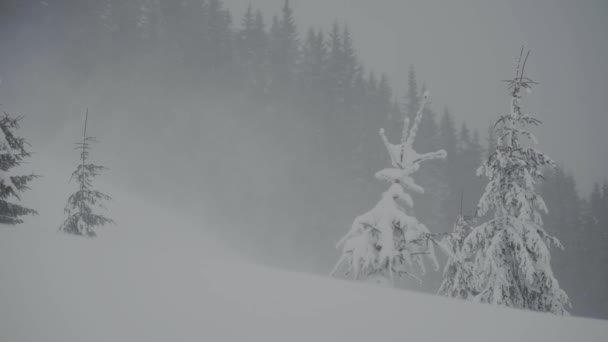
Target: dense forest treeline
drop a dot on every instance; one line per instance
(203, 89)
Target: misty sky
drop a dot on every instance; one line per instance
(462, 49)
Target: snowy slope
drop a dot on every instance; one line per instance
(160, 277)
(57, 288)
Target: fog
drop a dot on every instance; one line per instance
(280, 172)
(462, 49)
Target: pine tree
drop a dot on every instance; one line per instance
(412, 100)
(274, 52)
(218, 34)
(284, 49)
(13, 153)
(312, 66)
(449, 141)
(458, 271)
(246, 37)
(594, 245)
(81, 220)
(360, 93)
(447, 134)
(385, 97)
(260, 52)
(465, 138)
(350, 68)
(335, 81)
(510, 251)
(386, 240)
(252, 47)
(289, 35)
(342, 72)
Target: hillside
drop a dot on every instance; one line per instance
(159, 277)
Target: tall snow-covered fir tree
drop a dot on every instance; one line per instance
(81, 220)
(387, 240)
(13, 153)
(510, 252)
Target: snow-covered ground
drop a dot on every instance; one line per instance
(158, 276)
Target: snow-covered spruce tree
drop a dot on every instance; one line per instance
(458, 271)
(81, 220)
(387, 240)
(510, 252)
(13, 152)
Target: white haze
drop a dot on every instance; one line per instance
(462, 49)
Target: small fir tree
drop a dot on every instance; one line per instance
(13, 153)
(81, 220)
(387, 240)
(458, 271)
